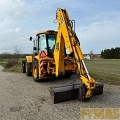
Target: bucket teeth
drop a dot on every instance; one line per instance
(72, 92)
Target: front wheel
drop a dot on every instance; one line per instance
(35, 71)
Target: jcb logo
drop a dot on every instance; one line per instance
(57, 46)
(61, 18)
(99, 113)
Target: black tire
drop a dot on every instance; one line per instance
(35, 71)
(82, 93)
(28, 69)
(67, 75)
(23, 66)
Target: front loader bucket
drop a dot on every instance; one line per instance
(64, 93)
(71, 92)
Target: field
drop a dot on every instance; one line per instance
(103, 70)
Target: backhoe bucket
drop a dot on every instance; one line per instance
(71, 92)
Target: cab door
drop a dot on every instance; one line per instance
(43, 44)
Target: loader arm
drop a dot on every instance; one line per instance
(67, 37)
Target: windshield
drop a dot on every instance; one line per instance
(46, 43)
(51, 41)
(42, 43)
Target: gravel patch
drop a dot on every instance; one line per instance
(23, 99)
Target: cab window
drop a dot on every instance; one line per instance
(51, 41)
(51, 44)
(42, 43)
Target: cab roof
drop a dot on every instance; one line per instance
(47, 32)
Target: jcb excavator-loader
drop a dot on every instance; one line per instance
(50, 59)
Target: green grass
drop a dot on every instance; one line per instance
(16, 68)
(105, 70)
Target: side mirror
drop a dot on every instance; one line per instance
(34, 48)
(30, 38)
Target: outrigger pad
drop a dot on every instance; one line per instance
(98, 90)
(71, 92)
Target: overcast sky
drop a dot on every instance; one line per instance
(97, 22)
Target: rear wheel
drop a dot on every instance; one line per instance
(23, 66)
(67, 75)
(35, 71)
(28, 69)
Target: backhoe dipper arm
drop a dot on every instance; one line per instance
(67, 37)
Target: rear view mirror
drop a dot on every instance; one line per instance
(34, 48)
(30, 38)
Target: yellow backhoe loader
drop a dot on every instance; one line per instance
(58, 54)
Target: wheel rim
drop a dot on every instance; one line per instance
(35, 72)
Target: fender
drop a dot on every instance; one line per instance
(29, 59)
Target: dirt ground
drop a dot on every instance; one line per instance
(23, 99)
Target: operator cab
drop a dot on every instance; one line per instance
(45, 43)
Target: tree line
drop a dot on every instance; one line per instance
(10, 56)
(113, 53)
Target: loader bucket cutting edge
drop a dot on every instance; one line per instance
(71, 92)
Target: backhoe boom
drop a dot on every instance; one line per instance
(67, 37)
